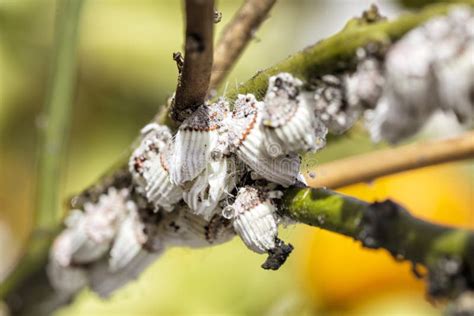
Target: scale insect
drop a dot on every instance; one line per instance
(150, 164)
(197, 136)
(202, 187)
(256, 223)
(288, 124)
(246, 138)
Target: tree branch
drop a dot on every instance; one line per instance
(447, 252)
(51, 149)
(236, 36)
(337, 52)
(193, 82)
(370, 166)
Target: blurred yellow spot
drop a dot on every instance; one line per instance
(338, 272)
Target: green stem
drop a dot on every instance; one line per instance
(53, 138)
(387, 225)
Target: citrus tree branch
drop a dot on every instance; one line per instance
(446, 252)
(193, 81)
(380, 163)
(51, 148)
(236, 36)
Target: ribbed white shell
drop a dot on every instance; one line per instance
(287, 119)
(155, 138)
(159, 190)
(283, 170)
(257, 227)
(191, 154)
(128, 242)
(196, 138)
(210, 187)
(301, 133)
(246, 139)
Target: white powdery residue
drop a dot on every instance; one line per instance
(364, 87)
(330, 104)
(102, 219)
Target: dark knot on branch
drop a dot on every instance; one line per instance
(376, 223)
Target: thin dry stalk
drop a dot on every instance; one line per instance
(236, 36)
(384, 162)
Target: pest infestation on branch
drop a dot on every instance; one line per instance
(219, 175)
(223, 172)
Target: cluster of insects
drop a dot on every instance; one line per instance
(217, 177)
(430, 69)
(223, 172)
(229, 164)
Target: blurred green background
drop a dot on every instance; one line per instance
(125, 72)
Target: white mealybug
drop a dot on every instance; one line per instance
(149, 166)
(70, 240)
(129, 256)
(62, 275)
(154, 138)
(89, 234)
(254, 220)
(288, 122)
(87, 238)
(219, 176)
(196, 138)
(129, 240)
(455, 73)
(437, 76)
(246, 138)
(159, 189)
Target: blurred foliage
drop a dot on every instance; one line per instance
(125, 73)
